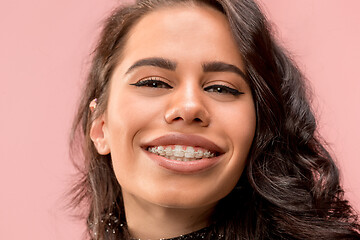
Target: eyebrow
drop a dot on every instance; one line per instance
(215, 66)
(155, 62)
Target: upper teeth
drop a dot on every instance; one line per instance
(180, 152)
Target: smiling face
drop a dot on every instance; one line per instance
(180, 118)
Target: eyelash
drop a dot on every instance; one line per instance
(152, 82)
(156, 83)
(221, 89)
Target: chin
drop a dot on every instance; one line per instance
(185, 199)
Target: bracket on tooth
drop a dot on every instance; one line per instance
(179, 152)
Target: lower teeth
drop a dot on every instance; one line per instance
(183, 159)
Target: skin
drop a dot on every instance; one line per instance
(160, 203)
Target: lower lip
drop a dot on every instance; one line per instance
(184, 167)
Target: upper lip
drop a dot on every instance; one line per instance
(186, 140)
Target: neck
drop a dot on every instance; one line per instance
(150, 221)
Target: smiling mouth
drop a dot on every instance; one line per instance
(182, 153)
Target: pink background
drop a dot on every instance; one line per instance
(44, 52)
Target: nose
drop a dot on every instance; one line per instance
(187, 105)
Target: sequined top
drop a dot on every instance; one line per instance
(200, 234)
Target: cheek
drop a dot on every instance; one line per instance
(128, 116)
(243, 134)
(239, 124)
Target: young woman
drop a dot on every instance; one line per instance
(195, 124)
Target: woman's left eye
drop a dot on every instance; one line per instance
(221, 89)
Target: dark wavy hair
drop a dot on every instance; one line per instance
(290, 187)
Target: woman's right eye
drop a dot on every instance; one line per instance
(152, 83)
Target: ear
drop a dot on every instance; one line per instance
(98, 136)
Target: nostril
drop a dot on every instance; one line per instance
(187, 115)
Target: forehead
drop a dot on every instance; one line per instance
(183, 32)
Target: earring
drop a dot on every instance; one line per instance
(93, 105)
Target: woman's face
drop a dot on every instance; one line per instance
(180, 118)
